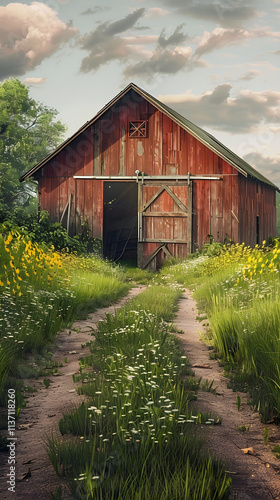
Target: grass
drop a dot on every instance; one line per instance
(135, 435)
(41, 292)
(239, 292)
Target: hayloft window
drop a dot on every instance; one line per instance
(138, 129)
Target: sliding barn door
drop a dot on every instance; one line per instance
(164, 221)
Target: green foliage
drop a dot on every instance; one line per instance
(159, 300)
(276, 451)
(40, 230)
(28, 132)
(136, 430)
(34, 281)
(266, 435)
(239, 290)
(212, 249)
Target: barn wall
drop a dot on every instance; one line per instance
(105, 149)
(256, 200)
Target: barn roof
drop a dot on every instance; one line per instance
(209, 140)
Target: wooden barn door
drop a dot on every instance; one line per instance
(164, 221)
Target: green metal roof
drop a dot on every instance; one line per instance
(209, 140)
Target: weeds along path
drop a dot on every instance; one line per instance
(253, 476)
(35, 476)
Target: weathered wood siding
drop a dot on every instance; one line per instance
(256, 200)
(104, 148)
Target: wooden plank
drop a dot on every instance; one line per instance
(72, 211)
(162, 240)
(79, 205)
(176, 199)
(169, 181)
(190, 219)
(96, 149)
(64, 212)
(153, 198)
(97, 209)
(122, 150)
(140, 227)
(173, 196)
(63, 197)
(165, 214)
(166, 250)
(69, 214)
(88, 205)
(45, 198)
(152, 256)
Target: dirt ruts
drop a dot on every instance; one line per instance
(254, 476)
(35, 477)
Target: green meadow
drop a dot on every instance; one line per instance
(238, 289)
(135, 435)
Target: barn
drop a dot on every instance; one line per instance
(151, 184)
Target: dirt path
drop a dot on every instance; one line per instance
(254, 476)
(45, 408)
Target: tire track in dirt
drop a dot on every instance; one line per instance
(252, 479)
(46, 407)
(253, 476)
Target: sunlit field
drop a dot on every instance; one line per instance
(135, 435)
(239, 290)
(41, 291)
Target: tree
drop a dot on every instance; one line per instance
(29, 131)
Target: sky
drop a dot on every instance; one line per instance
(215, 62)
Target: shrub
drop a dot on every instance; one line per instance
(41, 230)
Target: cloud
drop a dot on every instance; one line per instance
(103, 45)
(250, 75)
(267, 165)
(35, 81)
(175, 39)
(110, 41)
(168, 57)
(222, 12)
(222, 37)
(89, 11)
(241, 114)
(28, 35)
(162, 61)
(155, 12)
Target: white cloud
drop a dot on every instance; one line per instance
(251, 74)
(267, 165)
(141, 39)
(241, 114)
(35, 81)
(219, 38)
(156, 12)
(28, 35)
(222, 37)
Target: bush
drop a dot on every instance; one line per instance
(41, 230)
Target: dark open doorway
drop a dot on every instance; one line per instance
(120, 221)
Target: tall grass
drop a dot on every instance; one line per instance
(39, 296)
(239, 290)
(134, 437)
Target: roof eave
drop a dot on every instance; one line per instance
(157, 105)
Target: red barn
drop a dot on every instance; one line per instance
(152, 184)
